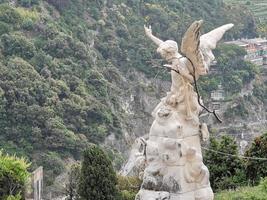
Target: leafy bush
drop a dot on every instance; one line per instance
(9, 15)
(128, 187)
(257, 169)
(28, 3)
(17, 45)
(11, 197)
(27, 14)
(4, 28)
(126, 195)
(13, 176)
(73, 182)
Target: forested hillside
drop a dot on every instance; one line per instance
(258, 8)
(69, 68)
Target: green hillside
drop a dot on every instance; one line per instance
(67, 66)
(258, 7)
(259, 10)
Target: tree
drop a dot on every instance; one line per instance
(73, 182)
(98, 178)
(226, 172)
(13, 176)
(257, 169)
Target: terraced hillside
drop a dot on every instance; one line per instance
(258, 7)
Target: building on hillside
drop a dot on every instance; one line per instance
(217, 96)
(256, 49)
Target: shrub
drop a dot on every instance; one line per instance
(98, 179)
(28, 3)
(4, 28)
(9, 15)
(17, 45)
(13, 176)
(226, 172)
(129, 187)
(73, 182)
(257, 169)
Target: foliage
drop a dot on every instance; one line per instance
(64, 64)
(231, 71)
(260, 91)
(238, 109)
(28, 3)
(126, 195)
(73, 182)
(17, 45)
(258, 8)
(226, 172)
(98, 178)
(13, 176)
(11, 197)
(257, 169)
(128, 187)
(245, 193)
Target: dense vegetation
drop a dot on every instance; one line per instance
(228, 170)
(257, 169)
(231, 71)
(63, 67)
(95, 178)
(13, 177)
(259, 9)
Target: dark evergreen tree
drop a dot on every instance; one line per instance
(98, 179)
(226, 172)
(257, 169)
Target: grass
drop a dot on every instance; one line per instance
(245, 193)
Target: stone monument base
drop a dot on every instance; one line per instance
(204, 193)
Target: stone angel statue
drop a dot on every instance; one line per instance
(186, 67)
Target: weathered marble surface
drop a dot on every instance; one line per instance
(170, 160)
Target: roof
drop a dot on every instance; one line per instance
(245, 42)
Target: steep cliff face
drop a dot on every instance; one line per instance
(80, 72)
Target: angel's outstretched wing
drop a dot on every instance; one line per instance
(209, 41)
(199, 48)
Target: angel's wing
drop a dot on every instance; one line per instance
(209, 41)
(199, 48)
(191, 48)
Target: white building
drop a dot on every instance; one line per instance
(256, 49)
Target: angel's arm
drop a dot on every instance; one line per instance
(180, 70)
(148, 31)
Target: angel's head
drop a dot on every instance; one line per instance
(168, 49)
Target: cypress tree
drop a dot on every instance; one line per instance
(98, 179)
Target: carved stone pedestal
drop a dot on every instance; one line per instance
(174, 168)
